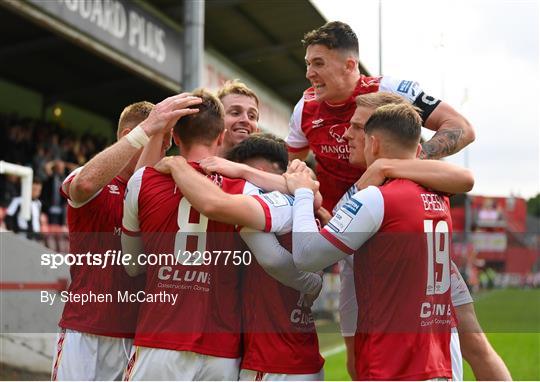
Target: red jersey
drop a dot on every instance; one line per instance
(320, 126)
(402, 279)
(95, 227)
(207, 319)
(279, 332)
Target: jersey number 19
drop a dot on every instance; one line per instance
(438, 243)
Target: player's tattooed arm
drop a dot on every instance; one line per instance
(445, 142)
(454, 132)
(434, 174)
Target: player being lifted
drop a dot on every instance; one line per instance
(322, 115)
(95, 336)
(199, 338)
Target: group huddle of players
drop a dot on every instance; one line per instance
(382, 213)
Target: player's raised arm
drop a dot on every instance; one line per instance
(161, 141)
(210, 200)
(101, 169)
(433, 174)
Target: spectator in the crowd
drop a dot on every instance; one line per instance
(55, 149)
(9, 188)
(39, 144)
(53, 203)
(39, 161)
(14, 219)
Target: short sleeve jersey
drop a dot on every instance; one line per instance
(207, 317)
(279, 331)
(400, 235)
(348, 305)
(95, 227)
(320, 126)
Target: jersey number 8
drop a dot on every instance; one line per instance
(187, 229)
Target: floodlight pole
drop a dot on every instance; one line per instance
(380, 38)
(468, 207)
(193, 44)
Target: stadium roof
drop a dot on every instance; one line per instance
(261, 37)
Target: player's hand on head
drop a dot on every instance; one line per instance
(373, 176)
(167, 112)
(223, 166)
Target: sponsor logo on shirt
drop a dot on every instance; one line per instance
(277, 199)
(113, 189)
(183, 279)
(404, 86)
(337, 132)
(353, 206)
(435, 314)
(340, 221)
(342, 150)
(301, 315)
(317, 123)
(409, 89)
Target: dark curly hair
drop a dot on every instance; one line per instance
(261, 145)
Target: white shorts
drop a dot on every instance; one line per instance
(455, 355)
(89, 357)
(252, 375)
(163, 364)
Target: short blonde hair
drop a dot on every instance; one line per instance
(375, 100)
(134, 114)
(236, 87)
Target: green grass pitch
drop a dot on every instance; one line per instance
(510, 318)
